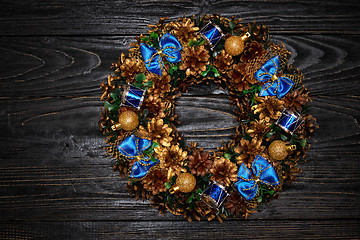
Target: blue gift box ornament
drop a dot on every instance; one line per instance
(214, 195)
(212, 34)
(289, 121)
(133, 97)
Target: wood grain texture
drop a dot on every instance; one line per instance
(75, 66)
(91, 17)
(347, 229)
(55, 179)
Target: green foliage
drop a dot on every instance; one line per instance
(112, 106)
(140, 77)
(202, 182)
(210, 72)
(150, 150)
(142, 115)
(250, 93)
(152, 40)
(265, 193)
(231, 154)
(196, 43)
(232, 25)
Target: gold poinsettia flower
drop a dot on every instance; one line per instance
(171, 158)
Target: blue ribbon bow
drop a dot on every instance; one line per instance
(169, 48)
(132, 148)
(278, 86)
(264, 173)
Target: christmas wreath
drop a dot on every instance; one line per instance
(272, 113)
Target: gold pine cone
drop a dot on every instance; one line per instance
(295, 100)
(224, 171)
(154, 181)
(199, 163)
(171, 158)
(184, 29)
(194, 60)
(130, 67)
(223, 61)
(268, 107)
(235, 204)
(252, 50)
(248, 151)
(258, 128)
(158, 132)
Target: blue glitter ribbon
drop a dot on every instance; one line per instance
(169, 48)
(132, 148)
(277, 86)
(264, 173)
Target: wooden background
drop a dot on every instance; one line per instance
(55, 180)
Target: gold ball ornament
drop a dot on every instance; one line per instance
(128, 121)
(185, 183)
(235, 45)
(278, 150)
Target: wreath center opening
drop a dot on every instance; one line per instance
(207, 119)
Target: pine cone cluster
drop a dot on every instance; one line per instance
(172, 159)
(259, 33)
(159, 27)
(308, 126)
(107, 88)
(130, 67)
(238, 78)
(199, 163)
(161, 84)
(258, 128)
(138, 190)
(235, 204)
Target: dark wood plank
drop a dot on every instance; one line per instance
(57, 170)
(348, 229)
(75, 66)
(55, 180)
(91, 17)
